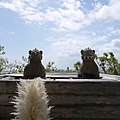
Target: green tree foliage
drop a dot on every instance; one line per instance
(11, 67)
(6, 67)
(2, 50)
(77, 65)
(50, 67)
(26, 60)
(3, 64)
(20, 66)
(3, 61)
(108, 63)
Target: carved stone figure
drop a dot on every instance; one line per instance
(89, 68)
(35, 67)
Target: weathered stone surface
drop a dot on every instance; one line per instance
(5, 99)
(86, 119)
(70, 99)
(9, 110)
(11, 86)
(83, 88)
(2, 87)
(74, 99)
(2, 112)
(86, 112)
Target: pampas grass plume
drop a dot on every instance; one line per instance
(32, 101)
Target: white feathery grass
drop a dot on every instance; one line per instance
(32, 101)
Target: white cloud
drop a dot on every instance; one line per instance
(71, 4)
(72, 43)
(113, 46)
(67, 48)
(27, 9)
(116, 43)
(68, 15)
(113, 31)
(109, 11)
(116, 31)
(98, 6)
(12, 33)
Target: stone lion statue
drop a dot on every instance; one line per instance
(89, 68)
(35, 67)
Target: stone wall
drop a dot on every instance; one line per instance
(73, 99)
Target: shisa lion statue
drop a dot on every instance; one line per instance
(88, 69)
(35, 67)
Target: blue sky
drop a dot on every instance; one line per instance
(60, 28)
